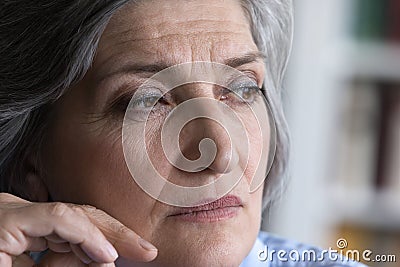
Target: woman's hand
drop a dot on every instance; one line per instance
(75, 235)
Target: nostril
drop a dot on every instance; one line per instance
(225, 161)
(199, 169)
(208, 153)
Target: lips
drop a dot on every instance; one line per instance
(221, 209)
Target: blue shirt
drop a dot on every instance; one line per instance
(272, 251)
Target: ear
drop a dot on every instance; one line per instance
(34, 186)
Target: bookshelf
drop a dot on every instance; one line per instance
(343, 107)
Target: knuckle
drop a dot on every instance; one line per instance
(89, 208)
(121, 229)
(78, 210)
(58, 210)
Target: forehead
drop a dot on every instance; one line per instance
(175, 31)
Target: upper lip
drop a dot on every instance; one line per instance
(224, 202)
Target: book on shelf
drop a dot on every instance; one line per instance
(393, 27)
(358, 131)
(388, 170)
(369, 137)
(370, 19)
(377, 20)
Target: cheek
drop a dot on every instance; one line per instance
(83, 167)
(255, 163)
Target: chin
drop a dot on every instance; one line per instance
(200, 252)
(222, 244)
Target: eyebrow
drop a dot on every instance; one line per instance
(245, 59)
(233, 62)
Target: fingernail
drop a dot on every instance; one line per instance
(111, 251)
(146, 245)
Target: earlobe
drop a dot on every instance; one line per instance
(35, 187)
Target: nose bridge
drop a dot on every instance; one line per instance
(194, 90)
(211, 126)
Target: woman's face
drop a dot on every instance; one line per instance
(83, 154)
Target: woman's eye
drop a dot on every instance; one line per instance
(247, 94)
(146, 102)
(139, 106)
(151, 106)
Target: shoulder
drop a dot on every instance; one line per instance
(272, 251)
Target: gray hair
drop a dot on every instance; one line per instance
(47, 46)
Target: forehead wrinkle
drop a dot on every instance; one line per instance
(144, 11)
(142, 23)
(192, 24)
(129, 36)
(183, 37)
(188, 44)
(172, 35)
(147, 39)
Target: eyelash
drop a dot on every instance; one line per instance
(255, 91)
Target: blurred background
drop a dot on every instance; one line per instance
(342, 97)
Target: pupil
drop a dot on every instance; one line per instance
(246, 93)
(149, 102)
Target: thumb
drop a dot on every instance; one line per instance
(128, 244)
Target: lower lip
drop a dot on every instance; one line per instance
(208, 216)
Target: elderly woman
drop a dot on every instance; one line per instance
(74, 80)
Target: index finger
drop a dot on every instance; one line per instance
(126, 242)
(21, 226)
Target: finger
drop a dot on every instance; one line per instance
(14, 242)
(61, 260)
(69, 224)
(80, 254)
(55, 239)
(59, 247)
(127, 242)
(5, 260)
(95, 264)
(23, 260)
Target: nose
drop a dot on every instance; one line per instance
(202, 135)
